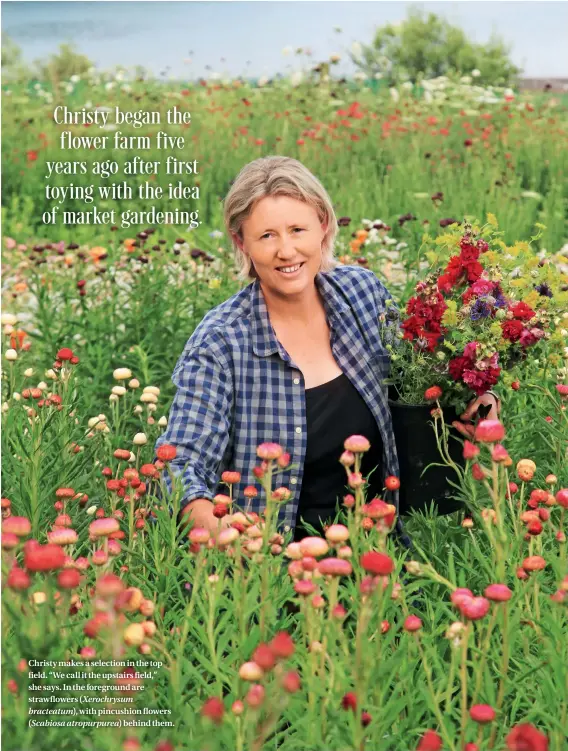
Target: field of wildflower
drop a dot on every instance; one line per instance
(338, 643)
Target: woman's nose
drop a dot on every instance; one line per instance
(286, 247)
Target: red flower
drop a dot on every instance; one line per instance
(31, 155)
(64, 354)
(512, 330)
(430, 741)
(166, 452)
(213, 709)
(482, 713)
(522, 311)
(282, 645)
(349, 701)
(377, 563)
(44, 557)
(433, 393)
(526, 737)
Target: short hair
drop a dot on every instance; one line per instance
(277, 176)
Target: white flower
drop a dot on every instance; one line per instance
(91, 510)
(51, 374)
(42, 385)
(296, 78)
(475, 73)
(407, 85)
(118, 390)
(465, 79)
(28, 372)
(359, 76)
(11, 354)
(151, 390)
(109, 85)
(356, 49)
(121, 374)
(140, 439)
(287, 51)
(113, 398)
(134, 383)
(378, 76)
(395, 96)
(162, 422)
(147, 397)
(262, 81)
(75, 78)
(9, 319)
(137, 409)
(16, 396)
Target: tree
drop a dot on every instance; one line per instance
(13, 67)
(431, 47)
(64, 64)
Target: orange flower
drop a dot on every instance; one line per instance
(20, 287)
(129, 245)
(17, 339)
(355, 245)
(97, 253)
(361, 235)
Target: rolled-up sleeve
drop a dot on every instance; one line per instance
(199, 423)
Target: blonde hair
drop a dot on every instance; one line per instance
(277, 176)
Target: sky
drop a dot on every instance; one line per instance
(180, 39)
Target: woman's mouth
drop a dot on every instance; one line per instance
(290, 271)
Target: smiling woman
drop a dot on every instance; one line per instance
(295, 358)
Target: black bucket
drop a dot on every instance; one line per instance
(417, 448)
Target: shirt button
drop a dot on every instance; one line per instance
(298, 430)
(293, 480)
(287, 528)
(296, 381)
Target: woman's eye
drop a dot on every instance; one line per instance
(298, 229)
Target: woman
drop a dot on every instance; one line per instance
(294, 358)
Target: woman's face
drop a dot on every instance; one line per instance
(283, 238)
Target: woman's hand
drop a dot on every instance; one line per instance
(200, 511)
(467, 427)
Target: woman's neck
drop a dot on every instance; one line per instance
(303, 309)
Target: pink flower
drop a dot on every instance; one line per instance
(482, 713)
(489, 431)
(412, 623)
(430, 741)
(475, 608)
(470, 450)
(498, 592)
(526, 737)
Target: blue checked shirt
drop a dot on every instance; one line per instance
(237, 387)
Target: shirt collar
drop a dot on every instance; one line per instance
(264, 341)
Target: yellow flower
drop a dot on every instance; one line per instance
(554, 360)
(492, 220)
(491, 257)
(214, 283)
(520, 282)
(532, 298)
(450, 318)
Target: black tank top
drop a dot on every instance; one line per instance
(334, 411)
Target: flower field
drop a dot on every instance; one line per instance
(249, 641)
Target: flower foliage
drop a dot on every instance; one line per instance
(476, 314)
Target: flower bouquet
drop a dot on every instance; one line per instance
(473, 321)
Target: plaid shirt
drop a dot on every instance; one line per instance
(237, 387)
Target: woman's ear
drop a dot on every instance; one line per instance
(237, 239)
